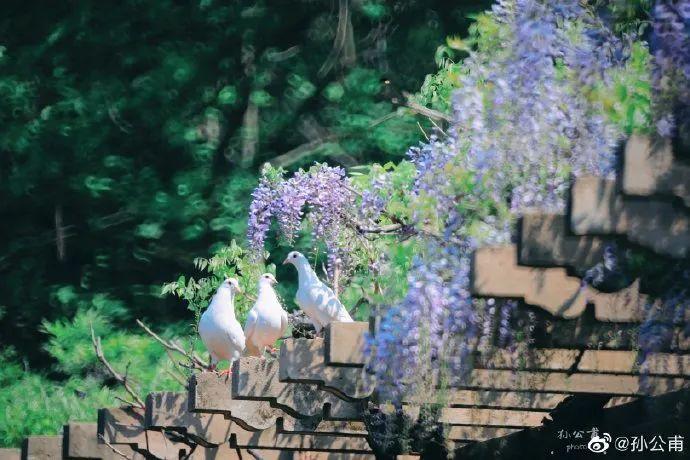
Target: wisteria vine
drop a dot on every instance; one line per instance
(523, 123)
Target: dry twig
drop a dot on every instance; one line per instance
(197, 361)
(117, 451)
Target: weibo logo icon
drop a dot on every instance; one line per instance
(599, 444)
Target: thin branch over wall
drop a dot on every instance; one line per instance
(123, 379)
(196, 361)
(117, 451)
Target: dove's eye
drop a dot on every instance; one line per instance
(294, 256)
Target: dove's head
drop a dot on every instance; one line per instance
(295, 258)
(232, 284)
(267, 279)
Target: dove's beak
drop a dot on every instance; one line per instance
(240, 290)
(286, 261)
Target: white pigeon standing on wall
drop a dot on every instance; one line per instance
(267, 321)
(219, 329)
(313, 296)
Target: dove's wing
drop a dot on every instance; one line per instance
(328, 306)
(250, 324)
(283, 322)
(237, 340)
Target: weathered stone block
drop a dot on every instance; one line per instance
(10, 454)
(125, 425)
(256, 378)
(345, 343)
(477, 433)
(170, 411)
(599, 361)
(496, 274)
(649, 169)
(303, 361)
(545, 241)
(494, 399)
(80, 441)
(211, 393)
(597, 208)
(492, 417)
(42, 448)
(562, 382)
(275, 437)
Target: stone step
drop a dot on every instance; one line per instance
(277, 437)
(595, 361)
(212, 394)
(598, 208)
(504, 418)
(649, 169)
(455, 397)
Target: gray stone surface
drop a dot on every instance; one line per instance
(210, 393)
(495, 273)
(256, 378)
(345, 343)
(42, 448)
(169, 410)
(649, 169)
(303, 361)
(80, 441)
(598, 208)
(546, 241)
(10, 454)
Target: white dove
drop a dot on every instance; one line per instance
(267, 321)
(219, 329)
(315, 298)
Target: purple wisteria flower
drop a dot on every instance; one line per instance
(322, 194)
(522, 125)
(670, 45)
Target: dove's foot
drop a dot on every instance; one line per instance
(226, 372)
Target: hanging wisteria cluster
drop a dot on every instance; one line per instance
(671, 46)
(522, 125)
(322, 195)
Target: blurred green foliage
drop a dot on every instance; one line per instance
(132, 135)
(131, 138)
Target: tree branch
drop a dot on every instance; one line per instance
(427, 112)
(197, 361)
(116, 375)
(117, 451)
